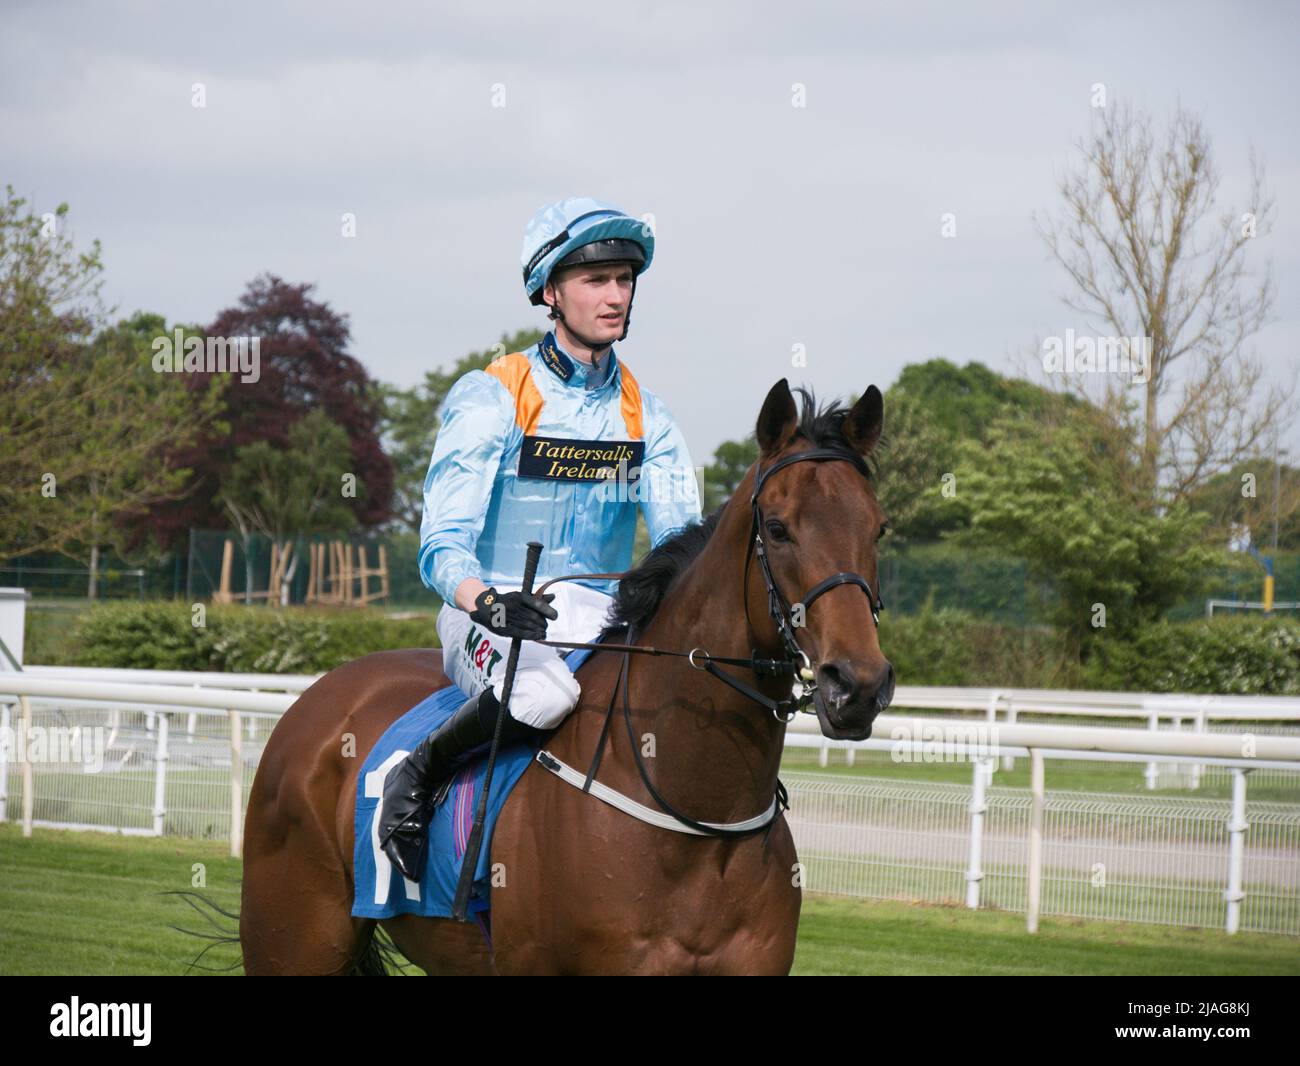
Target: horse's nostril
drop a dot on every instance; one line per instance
(885, 693)
(838, 682)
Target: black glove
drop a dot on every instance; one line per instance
(521, 614)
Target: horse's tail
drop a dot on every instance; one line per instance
(379, 958)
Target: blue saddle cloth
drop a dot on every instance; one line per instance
(380, 890)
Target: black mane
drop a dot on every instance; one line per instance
(643, 589)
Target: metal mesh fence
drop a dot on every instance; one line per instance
(1144, 858)
(1147, 859)
(133, 770)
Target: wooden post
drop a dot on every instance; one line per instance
(363, 577)
(367, 572)
(383, 573)
(311, 574)
(273, 578)
(227, 561)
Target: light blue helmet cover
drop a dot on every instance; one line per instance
(557, 229)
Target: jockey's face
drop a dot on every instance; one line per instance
(593, 298)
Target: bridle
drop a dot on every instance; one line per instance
(795, 663)
(777, 605)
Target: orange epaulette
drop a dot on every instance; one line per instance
(515, 372)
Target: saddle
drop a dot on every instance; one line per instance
(379, 891)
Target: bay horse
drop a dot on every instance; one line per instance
(586, 887)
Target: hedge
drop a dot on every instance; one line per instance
(1229, 654)
(162, 636)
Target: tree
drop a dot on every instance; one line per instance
(929, 411)
(85, 419)
(290, 492)
(914, 457)
(1256, 493)
(1146, 259)
(131, 473)
(411, 418)
(304, 366)
(962, 402)
(1061, 493)
(731, 461)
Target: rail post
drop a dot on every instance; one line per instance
(236, 786)
(1035, 839)
(6, 737)
(978, 805)
(1009, 761)
(28, 784)
(160, 774)
(1152, 771)
(1199, 726)
(1237, 826)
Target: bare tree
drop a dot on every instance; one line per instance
(1148, 258)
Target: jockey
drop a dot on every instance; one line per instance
(558, 444)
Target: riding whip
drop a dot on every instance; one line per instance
(475, 844)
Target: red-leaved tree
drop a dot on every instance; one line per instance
(304, 367)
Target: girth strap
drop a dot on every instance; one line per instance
(614, 798)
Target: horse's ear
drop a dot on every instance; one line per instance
(862, 425)
(777, 420)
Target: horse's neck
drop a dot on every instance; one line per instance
(717, 752)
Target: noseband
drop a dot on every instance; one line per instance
(777, 605)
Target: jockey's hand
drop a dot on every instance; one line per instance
(514, 614)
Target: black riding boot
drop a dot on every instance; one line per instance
(410, 785)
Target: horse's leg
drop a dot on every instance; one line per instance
(295, 913)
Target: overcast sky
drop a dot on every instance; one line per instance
(775, 225)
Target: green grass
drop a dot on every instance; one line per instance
(851, 937)
(93, 904)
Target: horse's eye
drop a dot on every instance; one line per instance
(884, 528)
(776, 529)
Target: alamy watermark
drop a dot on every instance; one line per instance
(935, 742)
(212, 355)
(662, 484)
(1086, 354)
(129, 1020)
(56, 744)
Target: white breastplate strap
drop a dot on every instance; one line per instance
(630, 806)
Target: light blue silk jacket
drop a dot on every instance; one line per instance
(528, 450)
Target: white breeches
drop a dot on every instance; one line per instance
(544, 690)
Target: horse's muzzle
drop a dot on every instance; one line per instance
(846, 705)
